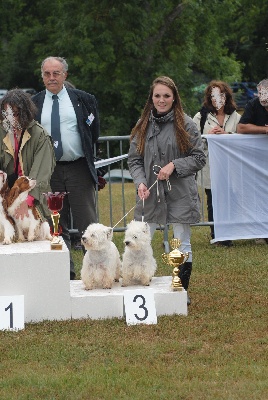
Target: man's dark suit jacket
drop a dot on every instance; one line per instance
(84, 104)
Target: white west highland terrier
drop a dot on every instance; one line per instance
(101, 264)
(138, 264)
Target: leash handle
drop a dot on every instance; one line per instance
(156, 172)
(134, 206)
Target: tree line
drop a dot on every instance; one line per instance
(115, 49)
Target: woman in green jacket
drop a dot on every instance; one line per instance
(25, 148)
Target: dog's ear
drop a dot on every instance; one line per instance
(13, 194)
(109, 233)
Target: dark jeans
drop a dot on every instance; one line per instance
(74, 177)
(210, 211)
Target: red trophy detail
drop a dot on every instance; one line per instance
(55, 204)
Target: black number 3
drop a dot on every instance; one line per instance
(141, 306)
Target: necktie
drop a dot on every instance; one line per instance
(55, 128)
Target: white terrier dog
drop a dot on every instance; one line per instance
(101, 264)
(138, 264)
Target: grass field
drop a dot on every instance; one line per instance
(219, 351)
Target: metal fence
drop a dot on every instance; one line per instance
(114, 146)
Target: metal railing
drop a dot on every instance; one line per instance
(113, 146)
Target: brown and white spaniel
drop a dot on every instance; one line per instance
(7, 231)
(29, 227)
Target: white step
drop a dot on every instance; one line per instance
(41, 275)
(109, 303)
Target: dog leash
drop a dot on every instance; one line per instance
(156, 169)
(135, 206)
(157, 190)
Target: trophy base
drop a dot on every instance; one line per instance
(177, 289)
(56, 246)
(56, 243)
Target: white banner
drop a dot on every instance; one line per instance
(239, 184)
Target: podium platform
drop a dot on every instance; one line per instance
(42, 275)
(109, 303)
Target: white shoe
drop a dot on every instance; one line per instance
(260, 241)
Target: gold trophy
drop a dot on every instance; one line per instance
(175, 258)
(55, 204)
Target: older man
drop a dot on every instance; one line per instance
(255, 117)
(71, 117)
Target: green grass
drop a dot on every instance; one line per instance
(219, 351)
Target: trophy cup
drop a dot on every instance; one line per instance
(175, 258)
(55, 204)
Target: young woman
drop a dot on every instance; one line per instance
(166, 146)
(217, 116)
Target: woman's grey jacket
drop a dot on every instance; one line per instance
(181, 203)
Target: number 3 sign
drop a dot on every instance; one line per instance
(11, 313)
(140, 307)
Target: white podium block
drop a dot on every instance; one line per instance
(109, 303)
(96, 303)
(168, 302)
(40, 274)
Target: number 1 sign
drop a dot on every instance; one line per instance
(11, 313)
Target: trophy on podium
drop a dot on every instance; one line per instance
(175, 258)
(55, 204)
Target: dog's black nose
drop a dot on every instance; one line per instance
(83, 238)
(126, 242)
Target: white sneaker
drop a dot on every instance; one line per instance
(260, 241)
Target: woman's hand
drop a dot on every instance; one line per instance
(143, 192)
(166, 171)
(217, 130)
(22, 211)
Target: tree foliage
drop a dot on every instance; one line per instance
(115, 49)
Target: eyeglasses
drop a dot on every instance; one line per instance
(54, 74)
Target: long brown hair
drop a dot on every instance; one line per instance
(229, 106)
(182, 136)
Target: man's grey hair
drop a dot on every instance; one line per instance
(60, 59)
(264, 83)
